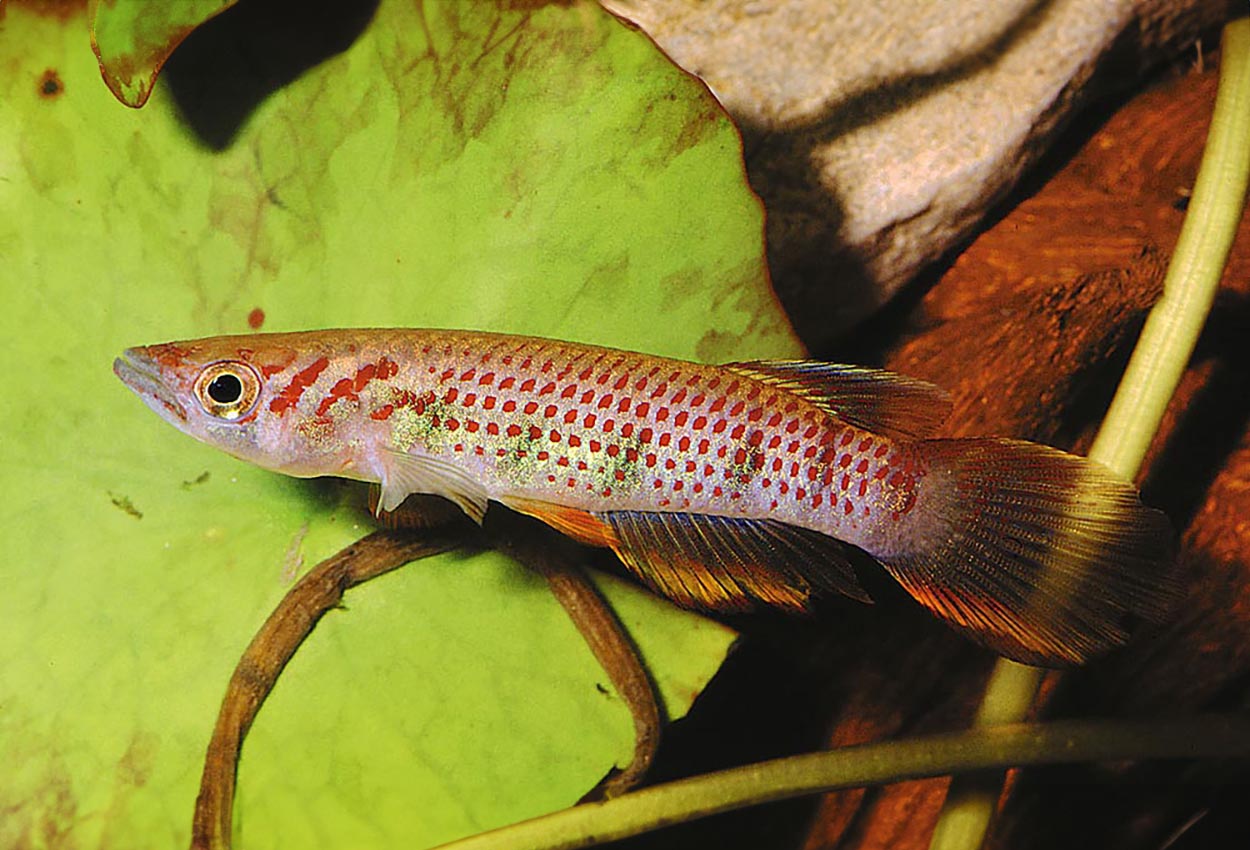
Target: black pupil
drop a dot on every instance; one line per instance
(225, 389)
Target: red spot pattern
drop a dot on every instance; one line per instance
(609, 426)
(169, 355)
(341, 390)
(290, 395)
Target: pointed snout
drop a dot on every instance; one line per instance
(138, 371)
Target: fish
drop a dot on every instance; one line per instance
(724, 488)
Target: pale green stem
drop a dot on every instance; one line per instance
(1172, 329)
(869, 764)
(1154, 371)
(972, 797)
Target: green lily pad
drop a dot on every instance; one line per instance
(541, 169)
(133, 38)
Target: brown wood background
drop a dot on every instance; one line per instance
(1029, 329)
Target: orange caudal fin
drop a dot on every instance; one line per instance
(1043, 556)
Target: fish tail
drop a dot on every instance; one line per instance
(1045, 557)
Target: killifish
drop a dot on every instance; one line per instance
(722, 487)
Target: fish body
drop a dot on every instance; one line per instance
(722, 486)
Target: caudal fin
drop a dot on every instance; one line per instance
(1043, 556)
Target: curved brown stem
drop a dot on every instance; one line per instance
(270, 650)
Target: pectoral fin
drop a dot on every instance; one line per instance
(405, 474)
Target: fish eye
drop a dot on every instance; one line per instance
(228, 390)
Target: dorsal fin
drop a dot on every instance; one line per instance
(729, 563)
(873, 399)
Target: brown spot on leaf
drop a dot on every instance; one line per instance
(698, 127)
(60, 9)
(50, 85)
(256, 319)
(136, 764)
(535, 5)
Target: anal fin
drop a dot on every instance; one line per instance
(580, 525)
(729, 563)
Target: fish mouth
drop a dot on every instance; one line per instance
(141, 374)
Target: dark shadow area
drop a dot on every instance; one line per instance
(904, 316)
(759, 706)
(1212, 425)
(1177, 806)
(788, 681)
(1128, 806)
(230, 64)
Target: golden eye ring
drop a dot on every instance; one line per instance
(228, 389)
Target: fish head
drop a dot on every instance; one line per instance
(220, 390)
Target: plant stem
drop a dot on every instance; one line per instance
(1167, 341)
(1206, 238)
(1225, 736)
(972, 797)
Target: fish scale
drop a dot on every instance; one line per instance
(615, 433)
(720, 486)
